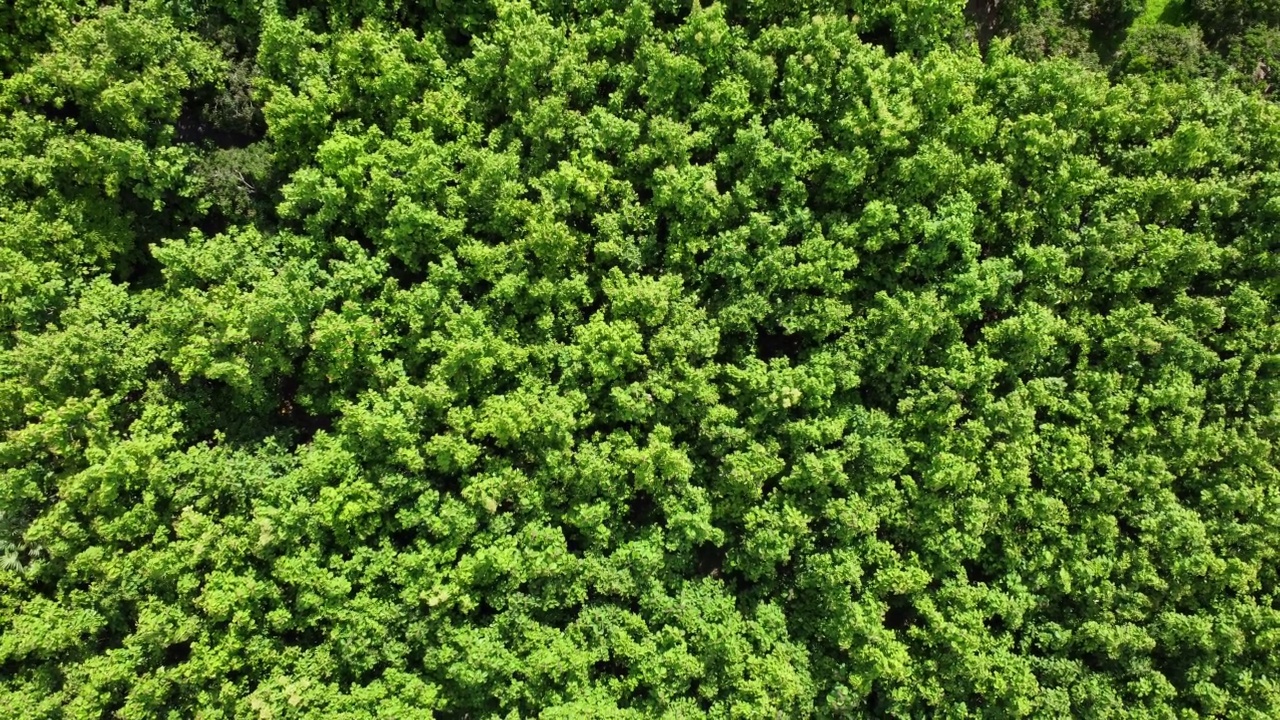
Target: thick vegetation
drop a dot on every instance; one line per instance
(629, 358)
(1233, 40)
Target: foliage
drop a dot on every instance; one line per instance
(630, 358)
(1245, 34)
(1257, 53)
(1047, 34)
(1222, 18)
(1164, 49)
(1229, 40)
(1087, 30)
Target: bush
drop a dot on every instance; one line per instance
(1165, 50)
(1103, 15)
(1223, 19)
(1048, 36)
(1256, 54)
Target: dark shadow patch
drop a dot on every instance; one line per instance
(901, 615)
(709, 560)
(776, 344)
(642, 511)
(985, 15)
(977, 572)
(177, 653)
(882, 37)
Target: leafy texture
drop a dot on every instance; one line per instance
(629, 359)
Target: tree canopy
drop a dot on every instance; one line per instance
(630, 359)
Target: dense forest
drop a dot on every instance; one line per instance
(639, 358)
